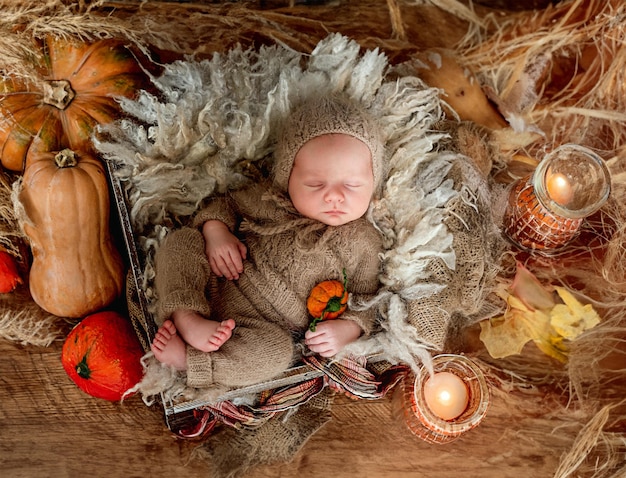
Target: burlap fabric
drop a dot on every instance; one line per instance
(473, 219)
(232, 452)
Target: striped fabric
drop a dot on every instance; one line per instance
(348, 375)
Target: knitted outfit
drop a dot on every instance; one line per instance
(288, 254)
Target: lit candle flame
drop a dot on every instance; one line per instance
(446, 395)
(559, 189)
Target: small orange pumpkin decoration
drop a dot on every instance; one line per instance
(76, 268)
(74, 88)
(102, 355)
(327, 300)
(9, 275)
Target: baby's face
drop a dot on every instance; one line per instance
(332, 180)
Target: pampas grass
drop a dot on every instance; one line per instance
(11, 236)
(594, 440)
(24, 322)
(561, 69)
(24, 24)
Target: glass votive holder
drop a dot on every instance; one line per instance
(412, 404)
(545, 210)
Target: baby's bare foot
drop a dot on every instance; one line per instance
(168, 347)
(203, 334)
(223, 333)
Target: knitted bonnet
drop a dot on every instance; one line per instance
(325, 115)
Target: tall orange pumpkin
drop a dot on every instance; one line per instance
(76, 268)
(74, 87)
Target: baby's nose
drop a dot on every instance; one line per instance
(334, 194)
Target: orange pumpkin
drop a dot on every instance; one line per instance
(74, 88)
(9, 275)
(102, 355)
(327, 300)
(76, 268)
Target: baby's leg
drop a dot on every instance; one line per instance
(203, 334)
(257, 351)
(168, 347)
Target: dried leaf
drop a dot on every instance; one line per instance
(572, 318)
(534, 314)
(508, 334)
(527, 288)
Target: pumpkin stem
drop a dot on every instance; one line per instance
(334, 303)
(315, 321)
(58, 93)
(82, 369)
(65, 158)
(345, 282)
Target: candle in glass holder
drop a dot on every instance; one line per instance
(414, 408)
(545, 210)
(446, 395)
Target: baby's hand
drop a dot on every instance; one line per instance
(331, 336)
(224, 251)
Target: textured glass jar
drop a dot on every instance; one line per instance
(546, 209)
(411, 406)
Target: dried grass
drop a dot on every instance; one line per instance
(24, 24)
(607, 448)
(24, 322)
(561, 69)
(11, 236)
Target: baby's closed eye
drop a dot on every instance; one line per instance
(314, 185)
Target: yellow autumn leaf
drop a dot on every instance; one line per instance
(572, 318)
(550, 328)
(507, 335)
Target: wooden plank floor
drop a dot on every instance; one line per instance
(49, 428)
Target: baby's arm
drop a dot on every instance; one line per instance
(224, 251)
(331, 336)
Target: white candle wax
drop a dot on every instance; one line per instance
(446, 395)
(559, 189)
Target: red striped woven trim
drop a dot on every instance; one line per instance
(347, 375)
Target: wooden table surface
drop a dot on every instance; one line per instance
(50, 428)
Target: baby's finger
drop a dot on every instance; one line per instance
(232, 269)
(324, 349)
(243, 250)
(318, 332)
(237, 261)
(215, 268)
(329, 352)
(315, 340)
(222, 268)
